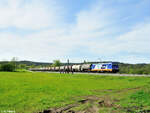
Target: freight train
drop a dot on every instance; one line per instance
(99, 67)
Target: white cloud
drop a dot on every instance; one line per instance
(137, 40)
(29, 15)
(94, 32)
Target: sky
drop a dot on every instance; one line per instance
(90, 30)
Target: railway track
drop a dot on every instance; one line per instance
(116, 74)
(105, 74)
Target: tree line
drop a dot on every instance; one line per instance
(15, 65)
(134, 68)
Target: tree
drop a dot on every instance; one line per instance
(56, 63)
(7, 67)
(14, 62)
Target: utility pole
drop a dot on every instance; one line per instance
(68, 65)
(84, 62)
(68, 62)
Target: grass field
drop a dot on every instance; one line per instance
(27, 92)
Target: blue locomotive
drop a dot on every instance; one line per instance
(105, 67)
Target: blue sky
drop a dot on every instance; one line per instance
(92, 30)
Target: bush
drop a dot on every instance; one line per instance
(7, 67)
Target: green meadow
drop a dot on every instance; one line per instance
(31, 92)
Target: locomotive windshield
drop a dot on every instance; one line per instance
(115, 66)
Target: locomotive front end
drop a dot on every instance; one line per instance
(115, 67)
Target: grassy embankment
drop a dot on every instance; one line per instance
(27, 92)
